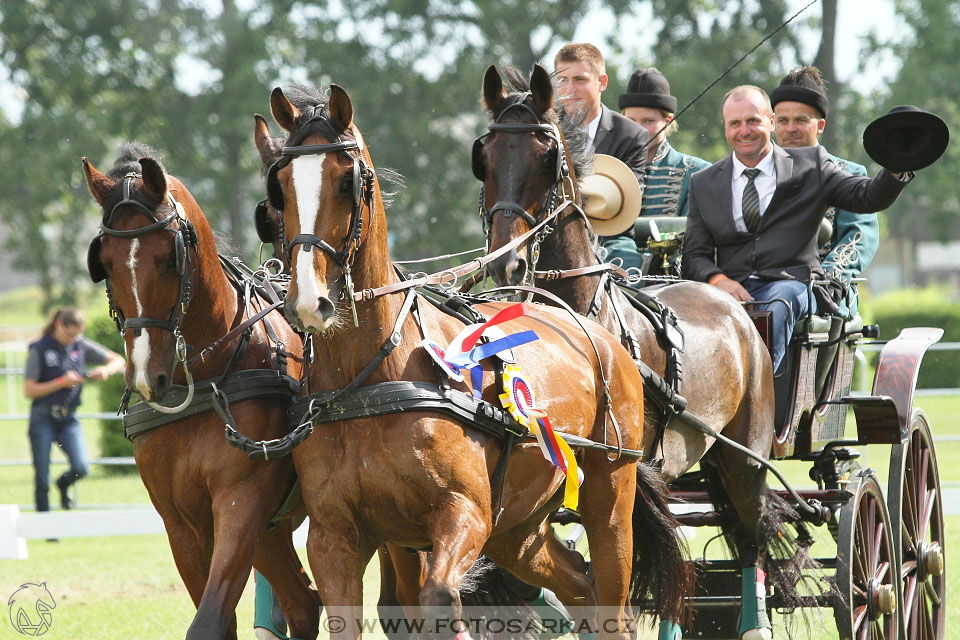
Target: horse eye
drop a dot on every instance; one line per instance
(546, 162)
(346, 183)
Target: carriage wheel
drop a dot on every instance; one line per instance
(916, 507)
(866, 565)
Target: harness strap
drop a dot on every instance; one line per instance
(242, 385)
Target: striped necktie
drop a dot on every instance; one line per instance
(751, 201)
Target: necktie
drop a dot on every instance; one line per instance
(751, 201)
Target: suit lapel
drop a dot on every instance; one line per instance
(784, 166)
(604, 127)
(723, 187)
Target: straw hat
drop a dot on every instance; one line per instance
(611, 196)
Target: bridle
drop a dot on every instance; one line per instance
(558, 187)
(363, 181)
(185, 239)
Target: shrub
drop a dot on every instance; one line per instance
(112, 443)
(928, 307)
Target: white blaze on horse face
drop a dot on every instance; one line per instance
(141, 344)
(307, 182)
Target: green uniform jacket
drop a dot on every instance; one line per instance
(665, 194)
(853, 244)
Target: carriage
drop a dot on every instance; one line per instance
(889, 566)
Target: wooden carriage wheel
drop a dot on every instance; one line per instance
(916, 507)
(867, 568)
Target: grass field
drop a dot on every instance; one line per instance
(128, 587)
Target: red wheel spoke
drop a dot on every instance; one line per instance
(908, 544)
(930, 499)
(927, 622)
(859, 615)
(909, 596)
(877, 545)
(931, 593)
(859, 593)
(883, 569)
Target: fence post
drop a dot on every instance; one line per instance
(12, 547)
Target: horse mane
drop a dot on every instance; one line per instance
(579, 153)
(129, 159)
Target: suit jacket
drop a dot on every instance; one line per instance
(785, 245)
(624, 139)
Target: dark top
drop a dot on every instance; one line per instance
(785, 245)
(47, 359)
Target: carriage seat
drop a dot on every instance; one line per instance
(821, 324)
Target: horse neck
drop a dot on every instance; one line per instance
(344, 352)
(570, 246)
(214, 303)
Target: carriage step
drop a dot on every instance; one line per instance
(824, 496)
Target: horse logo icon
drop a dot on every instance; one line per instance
(30, 607)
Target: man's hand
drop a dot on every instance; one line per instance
(732, 287)
(98, 374)
(70, 379)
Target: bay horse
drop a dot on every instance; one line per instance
(418, 479)
(169, 292)
(525, 165)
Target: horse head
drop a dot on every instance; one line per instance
(324, 186)
(147, 252)
(522, 162)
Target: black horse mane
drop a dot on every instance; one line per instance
(311, 101)
(579, 154)
(126, 163)
(129, 159)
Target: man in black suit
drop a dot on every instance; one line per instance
(581, 78)
(754, 216)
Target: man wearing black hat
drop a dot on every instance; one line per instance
(800, 105)
(755, 215)
(648, 103)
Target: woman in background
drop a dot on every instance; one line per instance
(55, 373)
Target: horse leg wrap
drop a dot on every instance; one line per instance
(670, 630)
(556, 620)
(267, 615)
(754, 623)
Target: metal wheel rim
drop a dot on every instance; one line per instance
(918, 527)
(866, 563)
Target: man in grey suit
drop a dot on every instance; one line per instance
(581, 78)
(754, 216)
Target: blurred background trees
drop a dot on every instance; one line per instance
(186, 76)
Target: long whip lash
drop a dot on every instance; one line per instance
(734, 65)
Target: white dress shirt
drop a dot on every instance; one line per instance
(765, 182)
(592, 127)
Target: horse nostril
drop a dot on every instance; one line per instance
(516, 271)
(162, 383)
(325, 308)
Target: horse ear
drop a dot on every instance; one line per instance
(99, 184)
(283, 112)
(493, 91)
(541, 87)
(340, 107)
(154, 182)
(267, 146)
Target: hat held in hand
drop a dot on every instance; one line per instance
(611, 196)
(906, 138)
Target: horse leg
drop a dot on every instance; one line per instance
(458, 531)
(338, 560)
(400, 571)
(277, 561)
(539, 558)
(234, 543)
(745, 483)
(606, 510)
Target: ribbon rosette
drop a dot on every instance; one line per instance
(518, 399)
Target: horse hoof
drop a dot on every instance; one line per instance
(758, 634)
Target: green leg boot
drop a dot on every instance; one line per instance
(268, 620)
(754, 622)
(670, 630)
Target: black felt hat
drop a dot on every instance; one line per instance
(648, 88)
(801, 89)
(906, 138)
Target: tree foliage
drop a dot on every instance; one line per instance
(186, 76)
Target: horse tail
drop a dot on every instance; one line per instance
(662, 578)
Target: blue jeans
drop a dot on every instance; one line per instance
(795, 294)
(44, 431)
